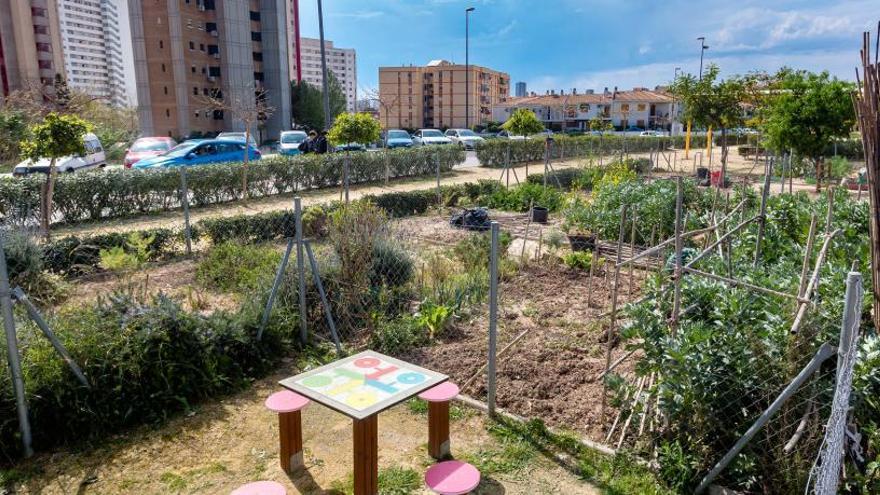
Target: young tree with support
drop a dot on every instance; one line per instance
(56, 137)
(523, 122)
(712, 103)
(352, 128)
(806, 112)
(250, 107)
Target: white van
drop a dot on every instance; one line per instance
(94, 158)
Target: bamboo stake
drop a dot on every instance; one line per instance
(676, 304)
(593, 261)
(617, 417)
(738, 283)
(647, 410)
(610, 334)
(808, 252)
(522, 254)
(614, 365)
(632, 249)
(814, 280)
(726, 236)
(763, 215)
(632, 411)
(501, 353)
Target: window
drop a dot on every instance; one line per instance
(201, 46)
(255, 16)
(192, 45)
(641, 107)
(195, 92)
(255, 36)
(214, 72)
(624, 107)
(161, 44)
(168, 113)
(165, 88)
(163, 67)
(258, 57)
(193, 69)
(41, 29)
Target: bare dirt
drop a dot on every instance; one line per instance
(550, 373)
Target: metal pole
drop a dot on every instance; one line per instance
(826, 351)
(13, 356)
(851, 313)
(184, 200)
(276, 284)
(493, 318)
(300, 270)
(437, 164)
(35, 315)
(676, 302)
(346, 173)
(327, 313)
(325, 83)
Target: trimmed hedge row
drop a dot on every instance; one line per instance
(116, 193)
(493, 153)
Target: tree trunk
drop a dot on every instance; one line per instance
(724, 150)
(48, 192)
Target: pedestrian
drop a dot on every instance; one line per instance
(308, 143)
(321, 146)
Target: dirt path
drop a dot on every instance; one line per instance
(226, 443)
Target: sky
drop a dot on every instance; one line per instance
(564, 44)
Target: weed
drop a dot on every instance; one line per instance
(231, 267)
(173, 481)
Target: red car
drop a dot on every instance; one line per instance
(147, 147)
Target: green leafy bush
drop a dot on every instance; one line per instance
(146, 361)
(232, 267)
(581, 260)
(520, 197)
(116, 193)
(474, 250)
(74, 255)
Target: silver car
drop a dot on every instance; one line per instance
(424, 137)
(465, 138)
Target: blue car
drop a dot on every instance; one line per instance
(397, 138)
(200, 152)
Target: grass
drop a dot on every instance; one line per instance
(392, 481)
(456, 412)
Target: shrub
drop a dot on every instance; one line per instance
(249, 228)
(74, 255)
(25, 266)
(232, 267)
(146, 361)
(474, 250)
(402, 204)
(397, 336)
(581, 260)
(519, 198)
(115, 193)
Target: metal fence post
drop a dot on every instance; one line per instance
(12, 353)
(301, 271)
(437, 164)
(184, 200)
(493, 318)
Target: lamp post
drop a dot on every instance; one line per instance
(325, 83)
(703, 48)
(672, 111)
(467, 68)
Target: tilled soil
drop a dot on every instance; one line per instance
(550, 373)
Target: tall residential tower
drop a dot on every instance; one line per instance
(341, 61)
(30, 46)
(187, 50)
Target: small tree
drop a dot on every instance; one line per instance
(57, 136)
(523, 122)
(352, 128)
(387, 103)
(806, 112)
(307, 102)
(710, 103)
(248, 106)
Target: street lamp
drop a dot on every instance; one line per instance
(672, 111)
(325, 82)
(467, 68)
(703, 48)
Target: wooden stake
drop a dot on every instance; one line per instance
(676, 302)
(609, 335)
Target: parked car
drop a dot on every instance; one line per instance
(350, 147)
(633, 128)
(201, 152)
(93, 158)
(465, 138)
(508, 135)
(651, 134)
(488, 135)
(147, 147)
(396, 138)
(238, 136)
(424, 137)
(290, 141)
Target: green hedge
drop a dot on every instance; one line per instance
(75, 255)
(116, 193)
(146, 361)
(493, 153)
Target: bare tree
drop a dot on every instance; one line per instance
(250, 106)
(387, 103)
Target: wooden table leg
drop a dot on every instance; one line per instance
(290, 432)
(438, 429)
(366, 456)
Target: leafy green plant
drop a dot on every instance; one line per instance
(581, 260)
(124, 260)
(435, 318)
(474, 250)
(232, 267)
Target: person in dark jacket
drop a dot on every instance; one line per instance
(320, 144)
(307, 144)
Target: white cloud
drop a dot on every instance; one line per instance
(504, 31)
(645, 49)
(363, 14)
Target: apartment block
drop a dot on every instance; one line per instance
(92, 45)
(521, 89)
(341, 61)
(639, 107)
(186, 50)
(438, 94)
(30, 45)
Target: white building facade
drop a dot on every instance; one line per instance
(92, 44)
(639, 107)
(341, 61)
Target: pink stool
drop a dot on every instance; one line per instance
(260, 488)
(288, 405)
(452, 478)
(438, 417)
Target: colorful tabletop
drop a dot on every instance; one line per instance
(365, 384)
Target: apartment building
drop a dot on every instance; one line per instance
(92, 45)
(521, 89)
(438, 94)
(30, 45)
(639, 107)
(185, 50)
(341, 61)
